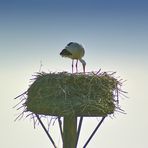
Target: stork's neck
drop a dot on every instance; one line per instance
(82, 61)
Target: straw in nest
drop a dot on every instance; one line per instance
(61, 94)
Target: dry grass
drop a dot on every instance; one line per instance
(61, 94)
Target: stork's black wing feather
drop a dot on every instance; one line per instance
(65, 52)
(70, 43)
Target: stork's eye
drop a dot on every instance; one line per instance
(69, 43)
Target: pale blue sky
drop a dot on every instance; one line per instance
(114, 34)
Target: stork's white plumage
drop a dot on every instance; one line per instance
(74, 51)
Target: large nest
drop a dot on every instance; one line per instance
(61, 94)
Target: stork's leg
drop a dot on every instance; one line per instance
(77, 66)
(72, 65)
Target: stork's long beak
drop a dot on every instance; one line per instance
(83, 64)
(84, 68)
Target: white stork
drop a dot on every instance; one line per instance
(74, 51)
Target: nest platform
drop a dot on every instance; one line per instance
(62, 94)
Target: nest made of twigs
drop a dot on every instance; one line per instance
(61, 94)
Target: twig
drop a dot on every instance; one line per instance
(20, 95)
(19, 103)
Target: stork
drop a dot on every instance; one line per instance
(74, 51)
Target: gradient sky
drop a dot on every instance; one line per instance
(115, 36)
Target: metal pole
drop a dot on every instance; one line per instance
(50, 138)
(60, 126)
(93, 133)
(79, 129)
(69, 131)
